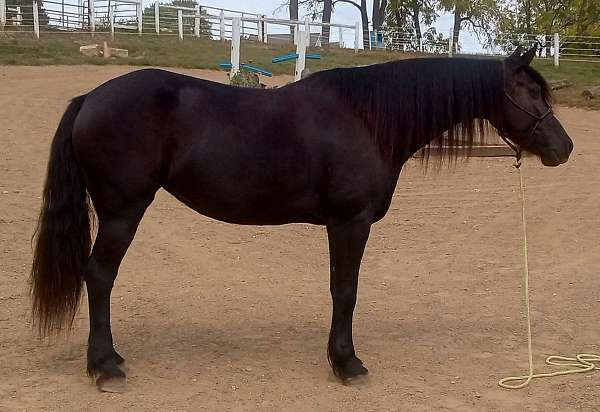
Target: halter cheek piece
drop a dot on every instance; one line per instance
(539, 120)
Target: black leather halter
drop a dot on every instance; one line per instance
(539, 119)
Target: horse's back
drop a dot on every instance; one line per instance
(227, 152)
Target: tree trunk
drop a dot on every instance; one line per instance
(327, 6)
(528, 16)
(365, 24)
(375, 15)
(456, 29)
(293, 13)
(417, 20)
(379, 7)
(398, 17)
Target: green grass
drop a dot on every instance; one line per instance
(582, 75)
(167, 51)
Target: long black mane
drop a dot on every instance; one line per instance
(433, 102)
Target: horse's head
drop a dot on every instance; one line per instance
(528, 120)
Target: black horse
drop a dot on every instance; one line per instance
(326, 150)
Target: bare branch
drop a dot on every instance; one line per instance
(348, 2)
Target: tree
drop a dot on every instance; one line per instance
(378, 15)
(316, 7)
(170, 15)
(567, 17)
(406, 17)
(480, 15)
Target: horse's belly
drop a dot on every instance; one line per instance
(243, 191)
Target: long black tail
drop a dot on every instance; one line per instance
(63, 235)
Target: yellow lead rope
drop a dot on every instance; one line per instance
(583, 362)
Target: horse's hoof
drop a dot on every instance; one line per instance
(351, 370)
(112, 384)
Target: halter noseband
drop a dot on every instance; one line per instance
(539, 120)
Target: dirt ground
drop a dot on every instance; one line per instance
(216, 317)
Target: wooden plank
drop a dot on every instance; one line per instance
(592, 92)
(476, 151)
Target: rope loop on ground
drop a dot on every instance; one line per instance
(581, 363)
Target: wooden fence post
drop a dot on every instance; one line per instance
(259, 27)
(556, 49)
(264, 29)
(197, 22)
(92, 14)
(357, 35)
(80, 13)
(111, 18)
(139, 8)
(235, 45)
(36, 19)
(180, 24)
(296, 33)
(301, 60)
(222, 26)
(307, 32)
(157, 17)
(2, 14)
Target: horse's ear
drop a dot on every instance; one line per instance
(518, 60)
(528, 57)
(516, 55)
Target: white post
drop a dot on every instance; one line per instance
(264, 28)
(235, 46)
(222, 26)
(421, 44)
(341, 36)
(180, 24)
(450, 45)
(197, 22)
(157, 17)
(301, 60)
(19, 16)
(139, 10)
(36, 20)
(259, 27)
(307, 31)
(92, 13)
(111, 18)
(296, 33)
(357, 36)
(556, 49)
(79, 12)
(2, 13)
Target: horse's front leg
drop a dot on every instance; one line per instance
(346, 245)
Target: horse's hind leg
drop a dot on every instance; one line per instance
(115, 233)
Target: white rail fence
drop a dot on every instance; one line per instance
(131, 17)
(555, 46)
